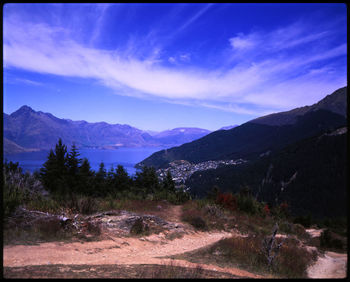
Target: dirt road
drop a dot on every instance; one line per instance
(136, 251)
(120, 251)
(331, 265)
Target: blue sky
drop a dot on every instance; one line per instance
(161, 66)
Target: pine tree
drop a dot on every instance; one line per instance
(101, 173)
(86, 178)
(168, 183)
(61, 158)
(73, 163)
(122, 181)
(110, 180)
(100, 188)
(147, 180)
(55, 170)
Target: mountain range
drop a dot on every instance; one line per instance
(29, 130)
(261, 135)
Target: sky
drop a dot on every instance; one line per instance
(162, 66)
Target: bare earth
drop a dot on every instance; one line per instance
(332, 265)
(121, 251)
(151, 250)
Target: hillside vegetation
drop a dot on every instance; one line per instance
(309, 175)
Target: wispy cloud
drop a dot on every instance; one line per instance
(15, 80)
(101, 14)
(195, 17)
(266, 72)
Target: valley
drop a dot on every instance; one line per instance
(204, 209)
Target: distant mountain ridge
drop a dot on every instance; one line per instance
(28, 130)
(335, 102)
(260, 135)
(228, 127)
(180, 135)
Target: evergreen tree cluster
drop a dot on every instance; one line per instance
(65, 174)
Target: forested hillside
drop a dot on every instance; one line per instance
(309, 175)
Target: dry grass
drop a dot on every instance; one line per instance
(144, 206)
(37, 231)
(110, 271)
(206, 216)
(246, 253)
(171, 271)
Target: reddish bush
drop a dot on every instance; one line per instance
(266, 209)
(227, 200)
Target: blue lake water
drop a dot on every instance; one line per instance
(127, 157)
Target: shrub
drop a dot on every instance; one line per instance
(337, 225)
(300, 231)
(181, 197)
(81, 204)
(331, 240)
(198, 223)
(18, 188)
(286, 227)
(93, 228)
(194, 217)
(291, 261)
(43, 204)
(213, 210)
(139, 227)
(245, 251)
(50, 228)
(87, 205)
(267, 209)
(248, 204)
(227, 200)
(12, 198)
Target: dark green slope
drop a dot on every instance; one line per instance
(310, 175)
(335, 102)
(249, 140)
(258, 136)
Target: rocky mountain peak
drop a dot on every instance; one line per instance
(23, 110)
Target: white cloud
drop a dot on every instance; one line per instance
(172, 60)
(254, 85)
(185, 57)
(242, 43)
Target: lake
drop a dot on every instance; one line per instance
(127, 157)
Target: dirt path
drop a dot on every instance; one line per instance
(174, 214)
(314, 232)
(121, 251)
(151, 250)
(332, 265)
